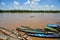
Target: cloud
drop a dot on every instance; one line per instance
(35, 0)
(52, 5)
(34, 4)
(16, 3)
(44, 7)
(28, 2)
(23, 8)
(4, 6)
(3, 3)
(47, 7)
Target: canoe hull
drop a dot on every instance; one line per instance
(44, 35)
(27, 30)
(8, 32)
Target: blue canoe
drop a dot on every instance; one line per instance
(44, 35)
(54, 26)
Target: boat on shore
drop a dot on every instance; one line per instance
(10, 35)
(8, 32)
(53, 28)
(44, 35)
(29, 30)
(54, 25)
(50, 29)
(39, 33)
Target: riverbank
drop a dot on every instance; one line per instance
(29, 11)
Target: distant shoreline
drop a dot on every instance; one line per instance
(29, 11)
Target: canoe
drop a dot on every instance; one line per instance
(26, 27)
(5, 37)
(8, 32)
(29, 30)
(44, 35)
(54, 25)
(2, 37)
(51, 29)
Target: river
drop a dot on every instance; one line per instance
(34, 20)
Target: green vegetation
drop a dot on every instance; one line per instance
(29, 11)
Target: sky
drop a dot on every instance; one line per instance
(30, 4)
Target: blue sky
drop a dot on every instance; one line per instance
(30, 4)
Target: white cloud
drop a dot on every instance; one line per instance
(23, 8)
(36, 0)
(52, 5)
(28, 2)
(16, 3)
(34, 4)
(46, 7)
(3, 3)
(31, 6)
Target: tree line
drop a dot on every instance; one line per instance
(29, 11)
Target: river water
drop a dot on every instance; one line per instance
(34, 20)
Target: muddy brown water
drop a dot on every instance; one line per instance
(34, 20)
